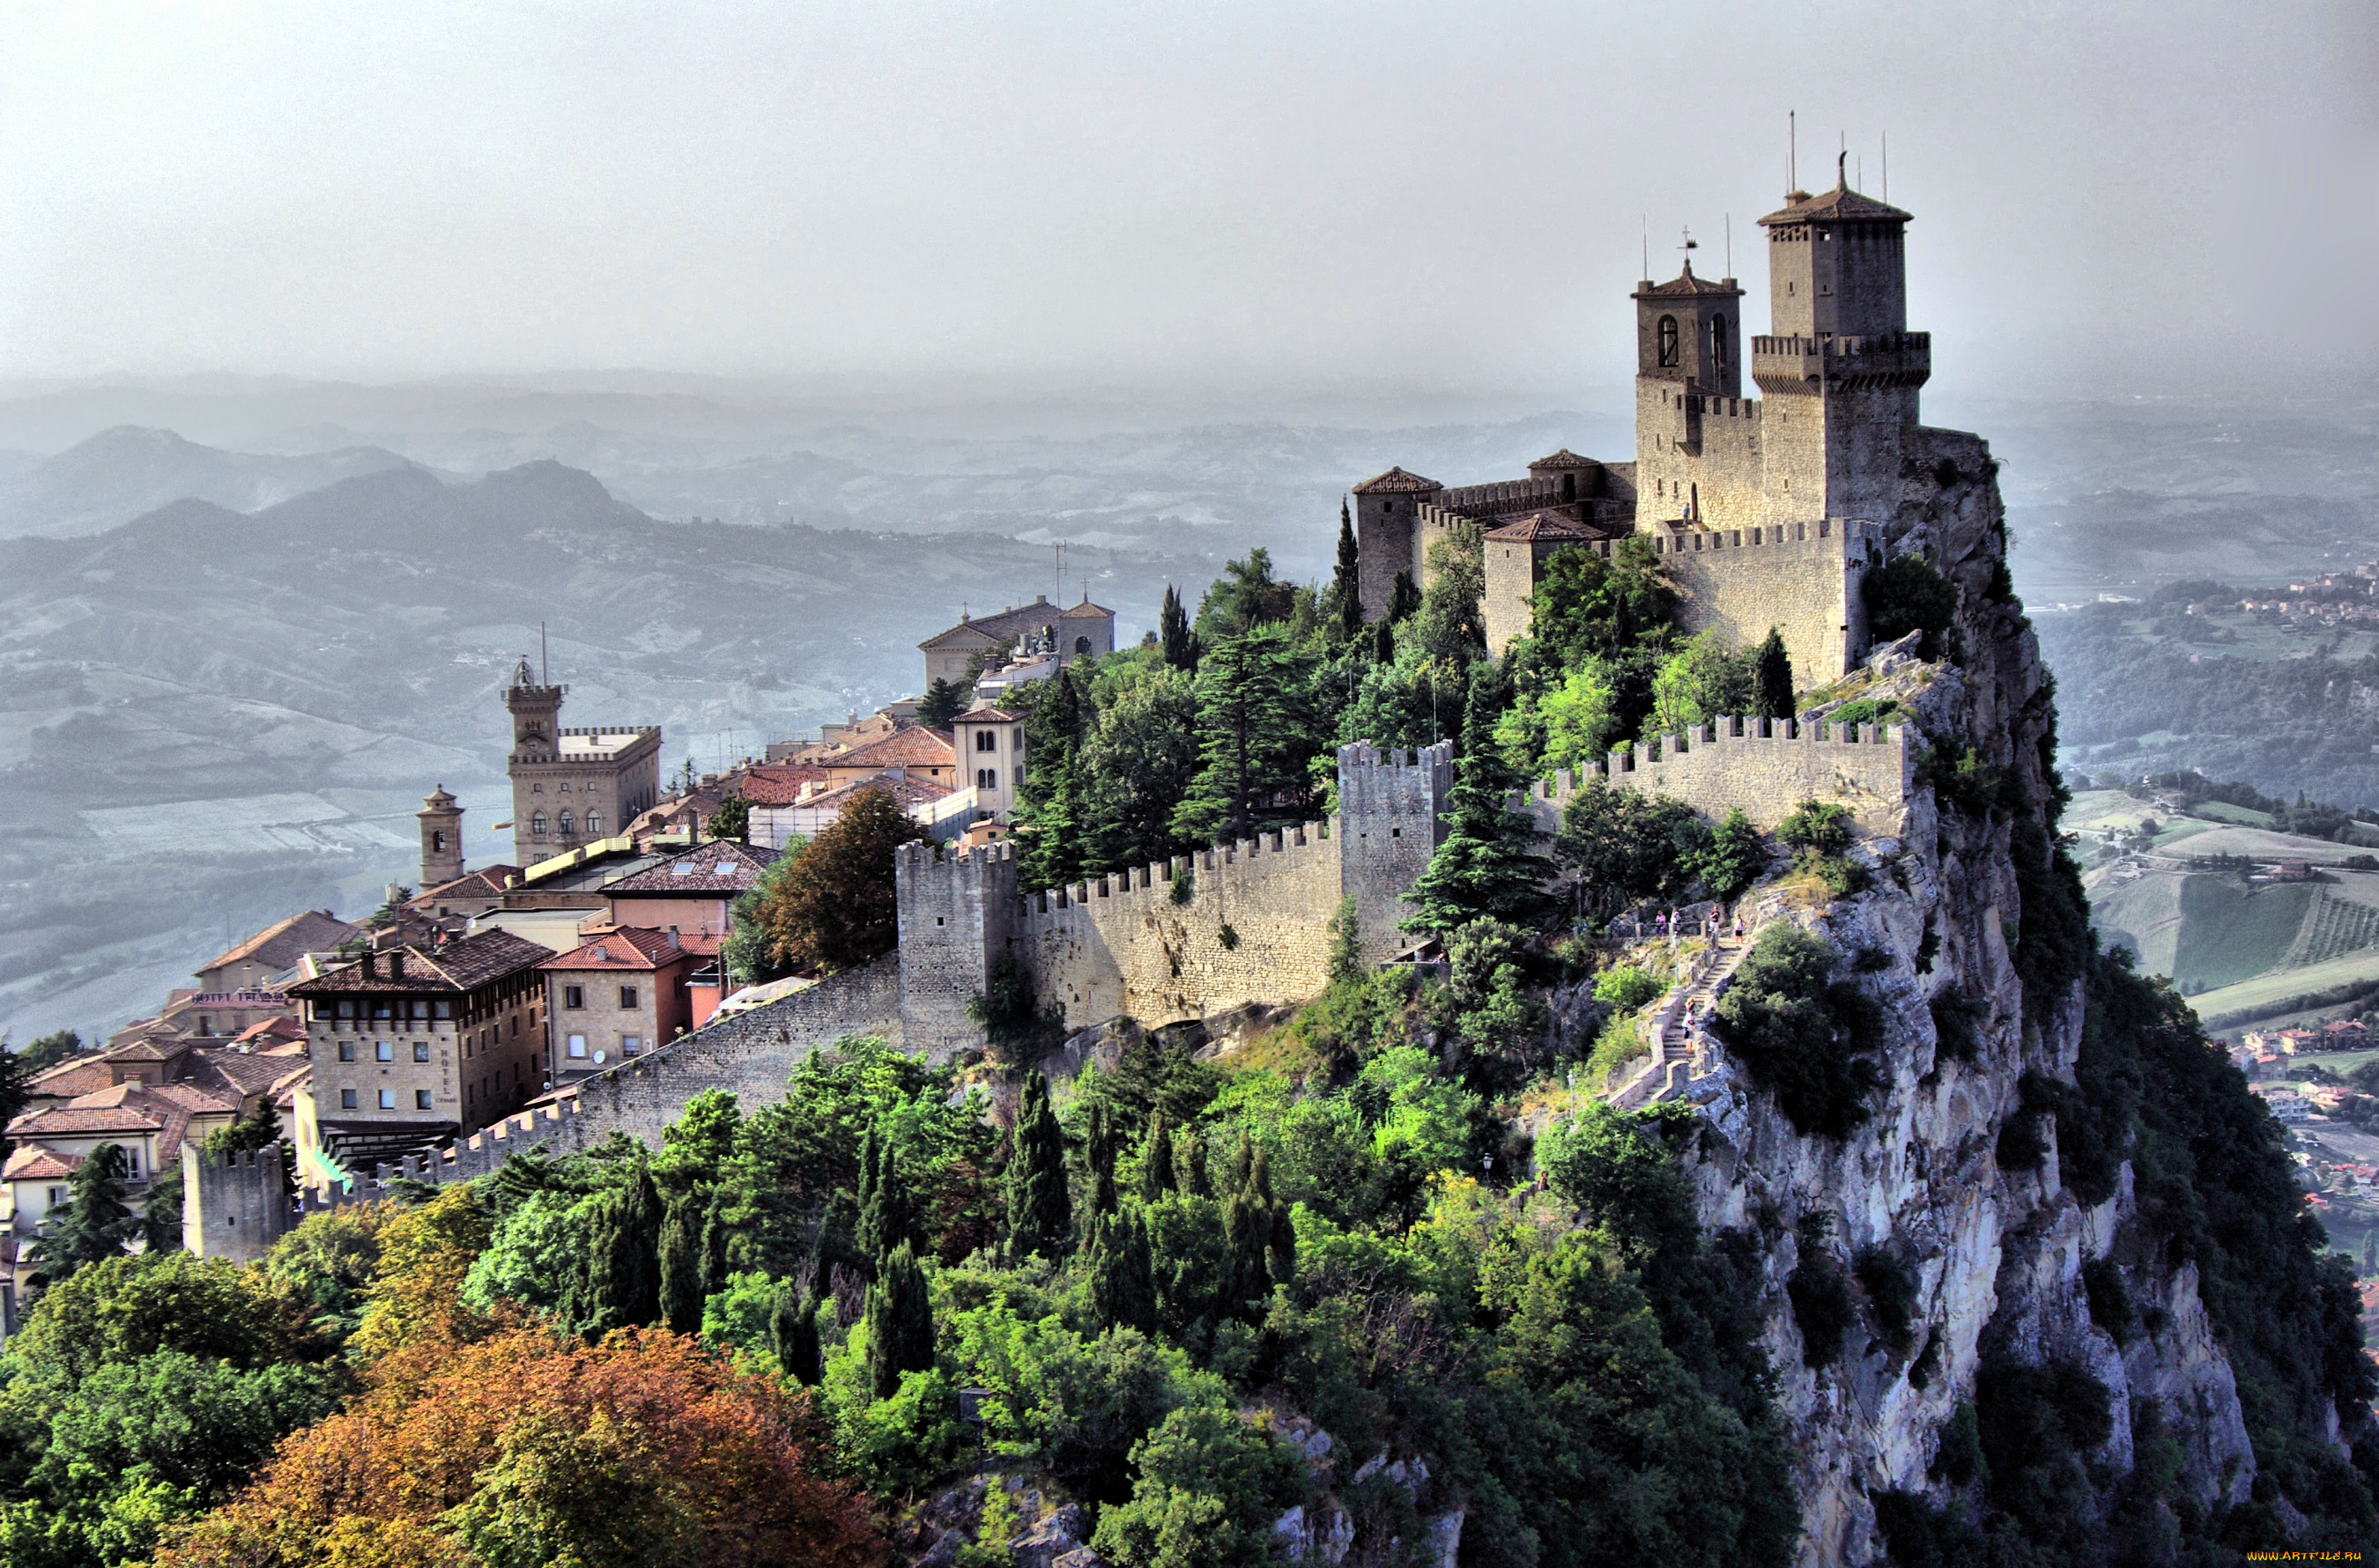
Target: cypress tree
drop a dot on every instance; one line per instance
(1196, 1180)
(680, 1263)
(1123, 1288)
(1775, 678)
(1488, 864)
(1156, 1176)
(1040, 1215)
(1173, 628)
(619, 1284)
(1099, 1157)
(792, 1326)
(1346, 583)
(900, 1323)
(887, 1218)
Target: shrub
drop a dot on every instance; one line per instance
(1805, 1039)
(1629, 987)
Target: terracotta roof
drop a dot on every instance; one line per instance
(285, 942)
(1086, 610)
(1686, 285)
(465, 964)
(1541, 525)
(80, 1075)
(1395, 481)
(778, 783)
(33, 1163)
(1564, 458)
(718, 867)
(625, 948)
(905, 748)
(1841, 204)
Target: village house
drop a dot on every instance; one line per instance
(615, 998)
(412, 1047)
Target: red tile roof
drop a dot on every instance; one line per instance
(906, 748)
(1395, 481)
(625, 948)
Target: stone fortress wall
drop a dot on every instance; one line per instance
(1763, 767)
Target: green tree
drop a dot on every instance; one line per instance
(1209, 1488)
(680, 1262)
(1244, 598)
(1774, 678)
(1488, 864)
(1628, 848)
(1040, 1213)
(943, 702)
(94, 1223)
(619, 1278)
(731, 820)
(835, 907)
(1179, 642)
(1253, 739)
(1347, 582)
(1049, 804)
(1734, 859)
(1156, 1178)
(1137, 764)
(900, 1323)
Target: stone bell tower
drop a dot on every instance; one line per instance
(442, 839)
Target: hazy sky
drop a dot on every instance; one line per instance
(2161, 196)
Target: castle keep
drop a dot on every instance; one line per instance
(1763, 510)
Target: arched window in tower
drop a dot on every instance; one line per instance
(1718, 343)
(536, 825)
(1668, 332)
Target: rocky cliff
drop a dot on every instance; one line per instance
(1966, 938)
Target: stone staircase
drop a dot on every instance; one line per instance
(1679, 1057)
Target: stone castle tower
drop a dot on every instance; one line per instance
(571, 786)
(1797, 479)
(442, 839)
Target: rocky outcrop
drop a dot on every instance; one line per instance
(1996, 1255)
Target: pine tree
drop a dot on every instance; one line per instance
(1040, 1215)
(1488, 864)
(94, 1223)
(1252, 740)
(1347, 582)
(1173, 629)
(793, 1328)
(1775, 677)
(1099, 1158)
(681, 1262)
(1156, 1176)
(900, 1323)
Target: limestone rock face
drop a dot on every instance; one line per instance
(1996, 1254)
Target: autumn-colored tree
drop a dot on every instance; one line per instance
(835, 908)
(533, 1448)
